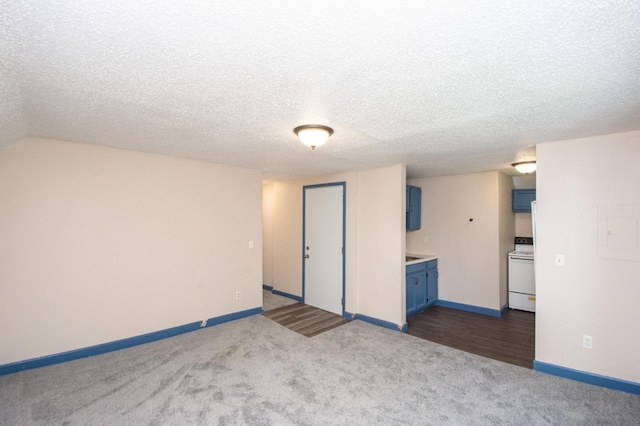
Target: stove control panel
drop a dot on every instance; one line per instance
(524, 240)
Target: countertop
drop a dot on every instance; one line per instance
(420, 258)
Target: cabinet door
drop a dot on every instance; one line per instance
(421, 291)
(413, 207)
(408, 201)
(521, 199)
(411, 294)
(432, 282)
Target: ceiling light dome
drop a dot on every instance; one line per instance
(313, 135)
(525, 167)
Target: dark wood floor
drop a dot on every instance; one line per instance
(305, 319)
(509, 339)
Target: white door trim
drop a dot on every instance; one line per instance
(304, 242)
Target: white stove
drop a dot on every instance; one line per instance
(522, 253)
(522, 283)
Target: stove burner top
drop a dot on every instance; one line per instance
(521, 253)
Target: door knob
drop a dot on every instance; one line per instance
(306, 256)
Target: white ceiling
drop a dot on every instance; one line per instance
(446, 86)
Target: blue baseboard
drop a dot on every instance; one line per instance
(592, 379)
(469, 308)
(121, 344)
(379, 322)
(349, 315)
(504, 309)
(267, 287)
(290, 296)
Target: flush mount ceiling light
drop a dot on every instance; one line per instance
(313, 135)
(525, 166)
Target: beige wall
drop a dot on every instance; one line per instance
(524, 226)
(267, 234)
(374, 238)
(100, 244)
(381, 244)
(589, 295)
(524, 181)
(470, 253)
(283, 211)
(507, 227)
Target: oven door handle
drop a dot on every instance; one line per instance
(521, 258)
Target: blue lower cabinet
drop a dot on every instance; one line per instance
(432, 282)
(411, 295)
(422, 286)
(416, 292)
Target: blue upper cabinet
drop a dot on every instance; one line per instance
(521, 199)
(414, 207)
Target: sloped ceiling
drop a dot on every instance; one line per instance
(446, 87)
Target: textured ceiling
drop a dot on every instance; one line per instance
(446, 87)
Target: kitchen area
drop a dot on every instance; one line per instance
(458, 258)
(477, 233)
(473, 256)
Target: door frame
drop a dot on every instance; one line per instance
(344, 230)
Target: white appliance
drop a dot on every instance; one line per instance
(534, 212)
(522, 282)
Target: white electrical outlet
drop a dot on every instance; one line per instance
(238, 295)
(559, 259)
(587, 342)
(425, 239)
(203, 323)
(250, 244)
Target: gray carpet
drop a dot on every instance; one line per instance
(272, 301)
(254, 371)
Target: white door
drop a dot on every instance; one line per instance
(322, 247)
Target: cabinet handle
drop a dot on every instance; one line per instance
(306, 256)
